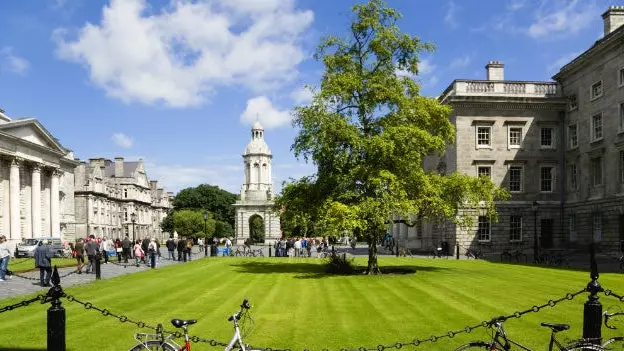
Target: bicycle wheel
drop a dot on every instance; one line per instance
(479, 345)
(585, 347)
(616, 343)
(154, 345)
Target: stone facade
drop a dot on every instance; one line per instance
(557, 146)
(116, 198)
(36, 182)
(256, 195)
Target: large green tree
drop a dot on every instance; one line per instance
(210, 198)
(368, 129)
(190, 223)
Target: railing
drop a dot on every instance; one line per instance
(502, 88)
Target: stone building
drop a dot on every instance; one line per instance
(116, 198)
(558, 147)
(36, 182)
(256, 196)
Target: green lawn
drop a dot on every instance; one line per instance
(296, 306)
(26, 264)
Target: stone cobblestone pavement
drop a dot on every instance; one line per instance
(19, 286)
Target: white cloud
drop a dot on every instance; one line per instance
(262, 109)
(515, 5)
(301, 96)
(181, 54)
(564, 17)
(562, 61)
(122, 140)
(450, 16)
(425, 66)
(461, 62)
(11, 62)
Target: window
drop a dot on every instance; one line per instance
(515, 137)
(621, 118)
(547, 138)
(596, 171)
(515, 228)
(596, 90)
(484, 171)
(126, 215)
(125, 193)
(572, 227)
(483, 231)
(596, 127)
(572, 184)
(597, 227)
(515, 179)
(621, 77)
(483, 137)
(547, 178)
(621, 166)
(572, 104)
(572, 137)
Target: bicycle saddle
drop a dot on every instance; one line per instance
(179, 323)
(556, 327)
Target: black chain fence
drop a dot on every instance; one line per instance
(23, 303)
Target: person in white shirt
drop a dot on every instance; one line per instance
(5, 256)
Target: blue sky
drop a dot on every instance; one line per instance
(178, 83)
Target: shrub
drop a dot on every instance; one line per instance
(339, 264)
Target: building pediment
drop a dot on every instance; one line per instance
(32, 131)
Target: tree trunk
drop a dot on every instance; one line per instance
(373, 266)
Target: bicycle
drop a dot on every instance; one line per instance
(509, 253)
(617, 342)
(159, 341)
(500, 341)
(474, 253)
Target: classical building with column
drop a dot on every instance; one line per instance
(256, 196)
(557, 146)
(116, 198)
(36, 182)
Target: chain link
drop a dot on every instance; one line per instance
(22, 303)
(611, 293)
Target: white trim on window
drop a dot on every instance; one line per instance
(547, 178)
(484, 229)
(572, 176)
(481, 170)
(572, 136)
(597, 129)
(572, 103)
(596, 171)
(486, 130)
(621, 77)
(515, 136)
(515, 186)
(553, 138)
(596, 90)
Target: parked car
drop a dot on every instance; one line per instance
(27, 247)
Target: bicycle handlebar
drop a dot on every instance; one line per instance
(609, 315)
(244, 306)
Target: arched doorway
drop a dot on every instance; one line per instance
(256, 228)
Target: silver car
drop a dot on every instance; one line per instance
(27, 247)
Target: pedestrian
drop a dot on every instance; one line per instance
(5, 256)
(126, 244)
(43, 257)
(118, 249)
(189, 248)
(105, 247)
(138, 252)
(92, 248)
(79, 254)
(144, 244)
(152, 249)
(170, 247)
(181, 248)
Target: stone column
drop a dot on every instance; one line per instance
(14, 181)
(36, 200)
(55, 204)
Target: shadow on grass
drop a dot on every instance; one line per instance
(18, 349)
(305, 270)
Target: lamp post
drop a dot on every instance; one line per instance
(133, 220)
(535, 208)
(205, 234)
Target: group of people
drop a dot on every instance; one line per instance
(140, 250)
(302, 247)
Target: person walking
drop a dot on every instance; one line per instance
(106, 246)
(138, 252)
(5, 256)
(126, 244)
(144, 244)
(152, 249)
(43, 257)
(181, 248)
(118, 249)
(189, 248)
(79, 253)
(92, 249)
(170, 247)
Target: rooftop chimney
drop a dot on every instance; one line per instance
(119, 167)
(495, 70)
(613, 18)
(153, 184)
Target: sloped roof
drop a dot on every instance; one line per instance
(19, 122)
(129, 168)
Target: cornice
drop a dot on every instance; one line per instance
(615, 38)
(506, 106)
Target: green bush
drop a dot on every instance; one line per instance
(339, 263)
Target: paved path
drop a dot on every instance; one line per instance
(20, 286)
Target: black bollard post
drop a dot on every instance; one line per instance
(269, 251)
(98, 271)
(457, 251)
(592, 313)
(153, 260)
(56, 315)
